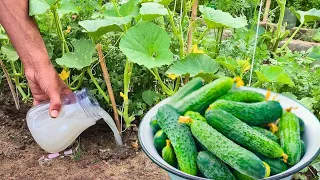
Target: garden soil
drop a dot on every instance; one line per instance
(97, 157)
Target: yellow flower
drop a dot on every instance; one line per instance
(268, 94)
(173, 76)
(68, 29)
(64, 74)
(195, 50)
(238, 81)
(125, 98)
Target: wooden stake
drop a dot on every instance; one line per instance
(266, 11)
(13, 92)
(109, 87)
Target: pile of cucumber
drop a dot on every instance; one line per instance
(217, 131)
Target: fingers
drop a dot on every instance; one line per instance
(55, 103)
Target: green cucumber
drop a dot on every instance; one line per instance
(200, 99)
(251, 113)
(243, 134)
(154, 125)
(188, 88)
(212, 167)
(159, 140)
(276, 164)
(180, 137)
(195, 116)
(229, 152)
(247, 96)
(240, 176)
(289, 132)
(303, 148)
(301, 124)
(267, 133)
(168, 154)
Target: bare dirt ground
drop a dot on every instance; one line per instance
(98, 158)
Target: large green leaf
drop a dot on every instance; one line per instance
(194, 65)
(66, 7)
(37, 7)
(152, 10)
(147, 44)
(10, 52)
(81, 57)
(148, 97)
(129, 8)
(219, 19)
(228, 63)
(99, 27)
(307, 16)
(164, 2)
(314, 53)
(274, 74)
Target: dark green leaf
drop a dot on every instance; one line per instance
(10, 52)
(148, 97)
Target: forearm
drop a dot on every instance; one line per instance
(23, 33)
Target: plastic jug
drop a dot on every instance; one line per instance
(79, 111)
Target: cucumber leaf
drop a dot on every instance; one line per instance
(37, 7)
(307, 16)
(274, 74)
(314, 53)
(219, 19)
(152, 10)
(99, 27)
(195, 65)
(316, 36)
(308, 102)
(228, 63)
(10, 52)
(148, 97)
(164, 2)
(66, 7)
(147, 44)
(81, 57)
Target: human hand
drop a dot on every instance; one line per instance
(45, 84)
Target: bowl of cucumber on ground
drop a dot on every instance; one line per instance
(220, 131)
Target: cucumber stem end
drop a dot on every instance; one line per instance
(285, 158)
(185, 120)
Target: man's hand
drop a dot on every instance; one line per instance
(44, 82)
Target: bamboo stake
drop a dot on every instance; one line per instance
(109, 86)
(13, 93)
(266, 11)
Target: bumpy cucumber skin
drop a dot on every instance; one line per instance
(159, 140)
(289, 132)
(240, 176)
(195, 116)
(267, 133)
(169, 156)
(276, 164)
(180, 137)
(154, 126)
(200, 99)
(254, 114)
(229, 152)
(212, 167)
(247, 96)
(242, 134)
(188, 88)
(303, 148)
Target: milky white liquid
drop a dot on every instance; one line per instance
(56, 134)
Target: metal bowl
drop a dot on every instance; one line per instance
(311, 137)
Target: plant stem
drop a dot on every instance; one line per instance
(165, 89)
(97, 85)
(202, 35)
(126, 82)
(79, 79)
(109, 86)
(17, 81)
(291, 37)
(65, 48)
(282, 5)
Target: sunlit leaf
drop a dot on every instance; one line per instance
(274, 74)
(81, 57)
(147, 44)
(152, 10)
(3, 37)
(66, 7)
(37, 7)
(314, 53)
(228, 63)
(316, 36)
(148, 97)
(99, 27)
(307, 16)
(219, 19)
(10, 52)
(164, 2)
(194, 64)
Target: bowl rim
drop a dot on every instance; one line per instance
(179, 173)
